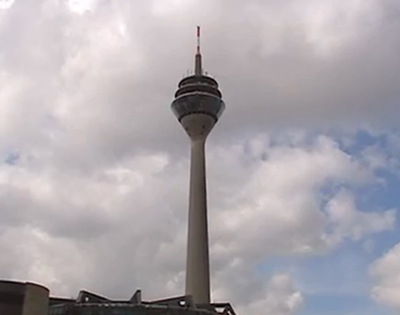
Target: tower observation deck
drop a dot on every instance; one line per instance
(198, 96)
(198, 105)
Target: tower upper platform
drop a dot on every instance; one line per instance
(198, 94)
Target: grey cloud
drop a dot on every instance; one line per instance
(114, 87)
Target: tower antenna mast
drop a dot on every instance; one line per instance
(198, 69)
(198, 40)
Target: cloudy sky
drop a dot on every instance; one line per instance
(303, 167)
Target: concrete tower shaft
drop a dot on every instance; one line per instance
(198, 105)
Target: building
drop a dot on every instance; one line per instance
(23, 298)
(198, 105)
(92, 304)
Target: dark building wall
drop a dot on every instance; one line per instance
(11, 297)
(18, 298)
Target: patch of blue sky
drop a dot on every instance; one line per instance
(334, 283)
(341, 271)
(360, 140)
(328, 304)
(375, 197)
(338, 282)
(12, 158)
(380, 198)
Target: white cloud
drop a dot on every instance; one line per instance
(386, 272)
(6, 4)
(282, 197)
(128, 221)
(349, 222)
(279, 297)
(80, 6)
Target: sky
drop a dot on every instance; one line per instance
(303, 166)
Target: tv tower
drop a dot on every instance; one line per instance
(198, 105)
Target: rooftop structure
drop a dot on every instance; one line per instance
(88, 303)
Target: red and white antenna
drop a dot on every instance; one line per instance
(198, 69)
(198, 40)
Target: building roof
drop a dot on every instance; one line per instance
(180, 304)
